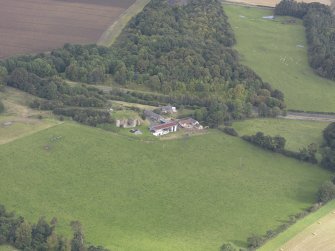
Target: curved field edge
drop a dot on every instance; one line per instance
(193, 193)
(277, 51)
(298, 227)
(111, 34)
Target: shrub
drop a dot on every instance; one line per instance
(2, 107)
(230, 131)
(227, 247)
(326, 192)
(255, 241)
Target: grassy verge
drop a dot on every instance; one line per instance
(111, 34)
(278, 53)
(192, 193)
(277, 242)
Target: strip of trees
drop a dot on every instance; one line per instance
(277, 144)
(328, 154)
(41, 236)
(319, 23)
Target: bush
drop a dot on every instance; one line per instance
(227, 247)
(255, 241)
(2, 107)
(275, 144)
(326, 192)
(329, 135)
(230, 131)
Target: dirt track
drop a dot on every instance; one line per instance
(310, 116)
(28, 26)
(272, 3)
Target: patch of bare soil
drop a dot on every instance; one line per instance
(29, 26)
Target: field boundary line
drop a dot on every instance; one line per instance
(113, 32)
(30, 133)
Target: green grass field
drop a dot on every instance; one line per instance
(273, 50)
(298, 134)
(193, 193)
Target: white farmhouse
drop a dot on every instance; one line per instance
(162, 129)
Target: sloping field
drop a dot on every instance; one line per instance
(41, 25)
(272, 3)
(188, 194)
(277, 51)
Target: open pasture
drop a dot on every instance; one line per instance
(31, 26)
(298, 133)
(272, 3)
(193, 193)
(277, 51)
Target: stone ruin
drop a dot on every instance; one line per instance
(127, 123)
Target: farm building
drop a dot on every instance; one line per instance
(150, 115)
(162, 129)
(168, 109)
(190, 123)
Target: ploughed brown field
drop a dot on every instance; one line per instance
(272, 3)
(29, 26)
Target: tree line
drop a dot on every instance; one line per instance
(319, 23)
(328, 149)
(40, 236)
(85, 104)
(277, 144)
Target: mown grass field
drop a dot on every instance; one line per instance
(192, 193)
(19, 120)
(300, 235)
(298, 134)
(278, 53)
